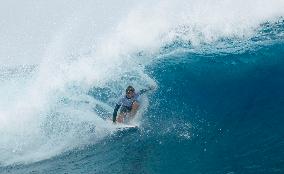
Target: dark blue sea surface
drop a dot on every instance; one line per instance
(210, 114)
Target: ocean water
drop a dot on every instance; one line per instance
(218, 69)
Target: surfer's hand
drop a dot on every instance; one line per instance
(152, 87)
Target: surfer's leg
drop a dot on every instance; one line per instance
(120, 117)
(135, 107)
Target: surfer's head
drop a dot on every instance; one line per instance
(130, 91)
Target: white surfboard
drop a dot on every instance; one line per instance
(122, 126)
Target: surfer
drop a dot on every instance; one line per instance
(129, 104)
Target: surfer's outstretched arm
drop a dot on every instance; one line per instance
(142, 91)
(117, 106)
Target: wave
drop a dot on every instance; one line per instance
(57, 104)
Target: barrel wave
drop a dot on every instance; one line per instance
(217, 68)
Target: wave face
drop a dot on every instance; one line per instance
(217, 67)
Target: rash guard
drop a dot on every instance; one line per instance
(126, 103)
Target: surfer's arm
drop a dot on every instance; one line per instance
(142, 91)
(117, 106)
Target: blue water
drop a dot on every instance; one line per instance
(218, 108)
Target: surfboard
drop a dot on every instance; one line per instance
(123, 126)
(122, 131)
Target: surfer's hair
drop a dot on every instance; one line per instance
(129, 89)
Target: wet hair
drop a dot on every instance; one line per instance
(129, 89)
